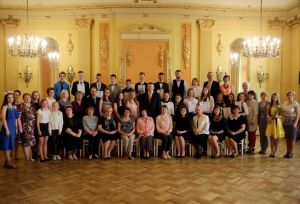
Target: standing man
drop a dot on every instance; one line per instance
(212, 86)
(178, 86)
(246, 87)
(60, 85)
(161, 86)
(93, 100)
(99, 85)
(114, 88)
(126, 91)
(151, 101)
(81, 85)
(141, 86)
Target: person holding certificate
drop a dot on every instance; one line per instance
(80, 85)
(99, 85)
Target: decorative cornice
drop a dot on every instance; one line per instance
(276, 22)
(294, 22)
(206, 24)
(83, 22)
(10, 21)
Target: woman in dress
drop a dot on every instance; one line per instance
(42, 121)
(133, 104)
(119, 106)
(90, 122)
(252, 121)
(242, 104)
(226, 88)
(263, 107)
(164, 127)
(78, 105)
(35, 101)
(126, 128)
(108, 129)
(27, 114)
(197, 88)
(17, 103)
(216, 131)
(183, 129)
(145, 128)
(10, 119)
(73, 131)
(206, 102)
(64, 100)
(236, 126)
(274, 129)
(167, 101)
(191, 103)
(105, 102)
(290, 121)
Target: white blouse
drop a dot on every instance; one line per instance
(191, 104)
(170, 106)
(56, 120)
(44, 115)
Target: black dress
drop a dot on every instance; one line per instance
(183, 124)
(71, 142)
(218, 125)
(234, 125)
(108, 125)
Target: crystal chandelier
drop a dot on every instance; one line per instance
(261, 47)
(27, 45)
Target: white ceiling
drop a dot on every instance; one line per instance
(17, 4)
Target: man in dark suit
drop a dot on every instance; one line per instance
(151, 101)
(178, 86)
(93, 100)
(99, 85)
(141, 86)
(80, 85)
(212, 86)
(161, 86)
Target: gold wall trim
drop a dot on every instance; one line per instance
(10, 21)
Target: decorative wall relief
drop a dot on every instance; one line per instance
(129, 57)
(186, 45)
(83, 22)
(161, 57)
(220, 74)
(70, 45)
(10, 21)
(27, 75)
(219, 45)
(104, 44)
(71, 74)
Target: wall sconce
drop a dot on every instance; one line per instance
(261, 75)
(53, 58)
(71, 74)
(220, 74)
(234, 57)
(27, 75)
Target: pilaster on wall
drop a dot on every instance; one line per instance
(205, 53)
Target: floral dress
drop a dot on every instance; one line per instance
(27, 114)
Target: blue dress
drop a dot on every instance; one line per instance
(8, 142)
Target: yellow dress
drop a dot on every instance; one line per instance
(275, 128)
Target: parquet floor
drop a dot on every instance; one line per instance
(248, 179)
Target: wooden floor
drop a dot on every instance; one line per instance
(248, 179)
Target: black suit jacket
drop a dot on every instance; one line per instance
(215, 88)
(86, 87)
(153, 106)
(103, 86)
(90, 102)
(165, 86)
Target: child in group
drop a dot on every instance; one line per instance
(56, 122)
(275, 128)
(42, 121)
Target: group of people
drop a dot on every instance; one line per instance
(165, 111)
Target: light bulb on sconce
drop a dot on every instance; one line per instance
(261, 75)
(27, 75)
(234, 57)
(53, 58)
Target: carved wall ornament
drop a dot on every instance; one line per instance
(161, 57)
(295, 21)
(27, 75)
(169, 76)
(70, 45)
(206, 24)
(219, 45)
(220, 74)
(83, 22)
(71, 74)
(10, 21)
(186, 48)
(129, 57)
(104, 47)
(276, 22)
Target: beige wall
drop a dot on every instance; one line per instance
(283, 71)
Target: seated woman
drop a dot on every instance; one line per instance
(108, 128)
(217, 127)
(106, 102)
(73, 130)
(200, 130)
(145, 128)
(126, 127)
(236, 125)
(90, 122)
(164, 127)
(119, 106)
(183, 129)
